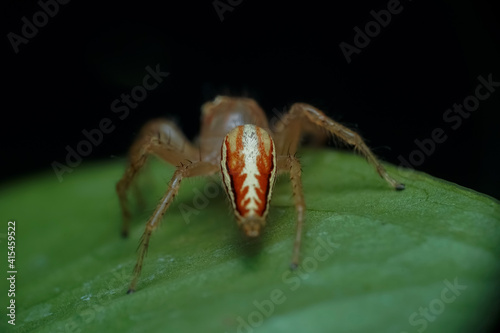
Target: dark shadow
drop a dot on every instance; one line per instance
(250, 249)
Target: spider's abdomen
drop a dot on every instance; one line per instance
(248, 166)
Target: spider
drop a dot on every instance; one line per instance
(236, 141)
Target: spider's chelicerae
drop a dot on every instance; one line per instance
(236, 141)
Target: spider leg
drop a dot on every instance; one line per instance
(291, 165)
(158, 137)
(292, 125)
(184, 170)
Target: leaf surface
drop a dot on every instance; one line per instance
(373, 259)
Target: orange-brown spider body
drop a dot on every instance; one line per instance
(236, 141)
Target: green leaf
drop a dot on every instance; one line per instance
(373, 259)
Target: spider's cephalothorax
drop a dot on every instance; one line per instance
(235, 140)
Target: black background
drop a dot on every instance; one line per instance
(393, 92)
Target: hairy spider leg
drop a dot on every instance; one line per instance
(198, 168)
(288, 138)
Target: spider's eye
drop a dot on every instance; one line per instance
(248, 166)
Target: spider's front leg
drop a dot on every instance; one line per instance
(185, 170)
(290, 164)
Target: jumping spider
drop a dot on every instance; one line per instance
(236, 141)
